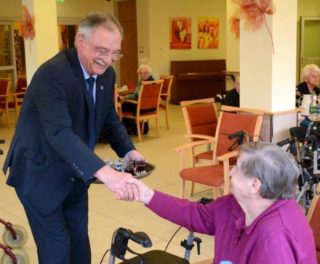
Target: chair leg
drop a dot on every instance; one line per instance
(183, 187)
(167, 118)
(192, 189)
(138, 130)
(7, 117)
(216, 192)
(157, 125)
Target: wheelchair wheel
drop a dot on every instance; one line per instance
(21, 237)
(21, 256)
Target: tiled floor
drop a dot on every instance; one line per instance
(106, 213)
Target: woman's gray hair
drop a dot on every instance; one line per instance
(99, 19)
(275, 168)
(145, 66)
(306, 71)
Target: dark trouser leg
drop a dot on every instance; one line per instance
(58, 240)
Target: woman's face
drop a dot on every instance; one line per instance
(144, 74)
(240, 183)
(313, 78)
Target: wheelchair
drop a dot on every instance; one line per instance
(304, 146)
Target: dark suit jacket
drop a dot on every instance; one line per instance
(49, 148)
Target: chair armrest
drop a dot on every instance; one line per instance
(226, 169)
(129, 101)
(193, 144)
(228, 155)
(19, 93)
(200, 137)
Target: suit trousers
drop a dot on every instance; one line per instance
(62, 236)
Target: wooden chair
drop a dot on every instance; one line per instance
(313, 217)
(5, 96)
(201, 121)
(117, 104)
(147, 106)
(165, 95)
(131, 87)
(20, 91)
(216, 175)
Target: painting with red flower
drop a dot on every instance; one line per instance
(180, 33)
(208, 33)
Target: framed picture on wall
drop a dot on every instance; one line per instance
(208, 33)
(180, 33)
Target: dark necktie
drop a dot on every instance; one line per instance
(91, 120)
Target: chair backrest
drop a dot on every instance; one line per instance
(314, 220)
(21, 84)
(4, 89)
(166, 87)
(149, 95)
(130, 85)
(231, 122)
(200, 116)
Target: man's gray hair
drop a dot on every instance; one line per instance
(99, 19)
(275, 168)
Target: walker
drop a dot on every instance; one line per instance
(14, 237)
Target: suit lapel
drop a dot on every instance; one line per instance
(99, 99)
(76, 67)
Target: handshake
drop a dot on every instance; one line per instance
(134, 189)
(123, 182)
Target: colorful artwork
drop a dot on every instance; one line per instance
(180, 33)
(208, 33)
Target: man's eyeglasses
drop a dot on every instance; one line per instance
(102, 53)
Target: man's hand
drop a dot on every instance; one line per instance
(117, 183)
(133, 155)
(141, 191)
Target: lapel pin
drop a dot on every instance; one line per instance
(101, 87)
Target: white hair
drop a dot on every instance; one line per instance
(308, 69)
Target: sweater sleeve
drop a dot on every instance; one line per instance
(194, 216)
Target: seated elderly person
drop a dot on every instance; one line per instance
(310, 76)
(145, 74)
(232, 97)
(259, 222)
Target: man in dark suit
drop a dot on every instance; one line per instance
(51, 156)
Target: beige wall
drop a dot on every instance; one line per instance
(156, 25)
(305, 8)
(153, 25)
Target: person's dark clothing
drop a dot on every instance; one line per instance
(232, 98)
(51, 165)
(302, 89)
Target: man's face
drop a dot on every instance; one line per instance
(99, 50)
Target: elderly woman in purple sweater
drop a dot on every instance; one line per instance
(259, 222)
